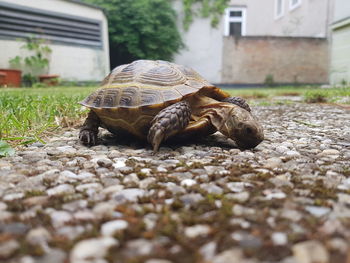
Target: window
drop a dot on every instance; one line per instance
(19, 21)
(235, 21)
(294, 4)
(279, 8)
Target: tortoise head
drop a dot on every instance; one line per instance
(242, 127)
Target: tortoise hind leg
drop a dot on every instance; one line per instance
(89, 130)
(168, 122)
(238, 101)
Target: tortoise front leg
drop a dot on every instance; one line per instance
(238, 101)
(168, 122)
(89, 130)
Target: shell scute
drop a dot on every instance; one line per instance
(146, 83)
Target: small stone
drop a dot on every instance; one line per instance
(129, 194)
(38, 236)
(71, 232)
(92, 250)
(14, 196)
(212, 188)
(188, 182)
(246, 240)
(84, 215)
(60, 218)
(281, 149)
(292, 154)
(119, 163)
(8, 248)
(111, 227)
(310, 252)
(69, 150)
(146, 171)
(279, 238)
(229, 256)
(208, 250)
(61, 189)
(156, 260)
(317, 211)
(140, 247)
(191, 199)
(3, 206)
(329, 152)
(14, 228)
(197, 230)
(104, 162)
(273, 162)
(239, 197)
(145, 183)
(274, 194)
(104, 210)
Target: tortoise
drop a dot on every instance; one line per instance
(156, 100)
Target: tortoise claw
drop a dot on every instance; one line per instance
(88, 137)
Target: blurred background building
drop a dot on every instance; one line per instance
(340, 51)
(77, 34)
(281, 41)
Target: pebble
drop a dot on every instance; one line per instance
(130, 194)
(81, 199)
(140, 247)
(188, 182)
(208, 251)
(317, 211)
(92, 250)
(60, 218)
(279, 238)
(329, 152)
(38, 236)
(212, 189)
(8, 248)
(111, 227)
(197, 230)
(311, 251)
(61, 189)
(239, 197)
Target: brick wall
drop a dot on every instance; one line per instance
(292, 60)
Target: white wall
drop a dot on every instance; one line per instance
(310, 19)
(71, 62)
(341, 10)
(203, 50)
(340, 51)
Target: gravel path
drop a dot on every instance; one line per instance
(287, 201)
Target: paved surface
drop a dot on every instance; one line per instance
(286, 201)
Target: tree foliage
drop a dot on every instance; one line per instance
(211, 9)
(140, 29)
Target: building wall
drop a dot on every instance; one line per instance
(250, 60)
(341, 10)
(340, 51)
(310, 19)
(203, 51)
(71, 62)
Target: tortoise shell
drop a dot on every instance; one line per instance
(149, 83)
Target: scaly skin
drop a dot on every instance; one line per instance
(89, 130)
(238, 101)
(168, 122)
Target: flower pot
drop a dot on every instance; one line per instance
(12, 77)
(50, 80)
(2, 79)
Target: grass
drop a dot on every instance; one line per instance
(30, 114)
